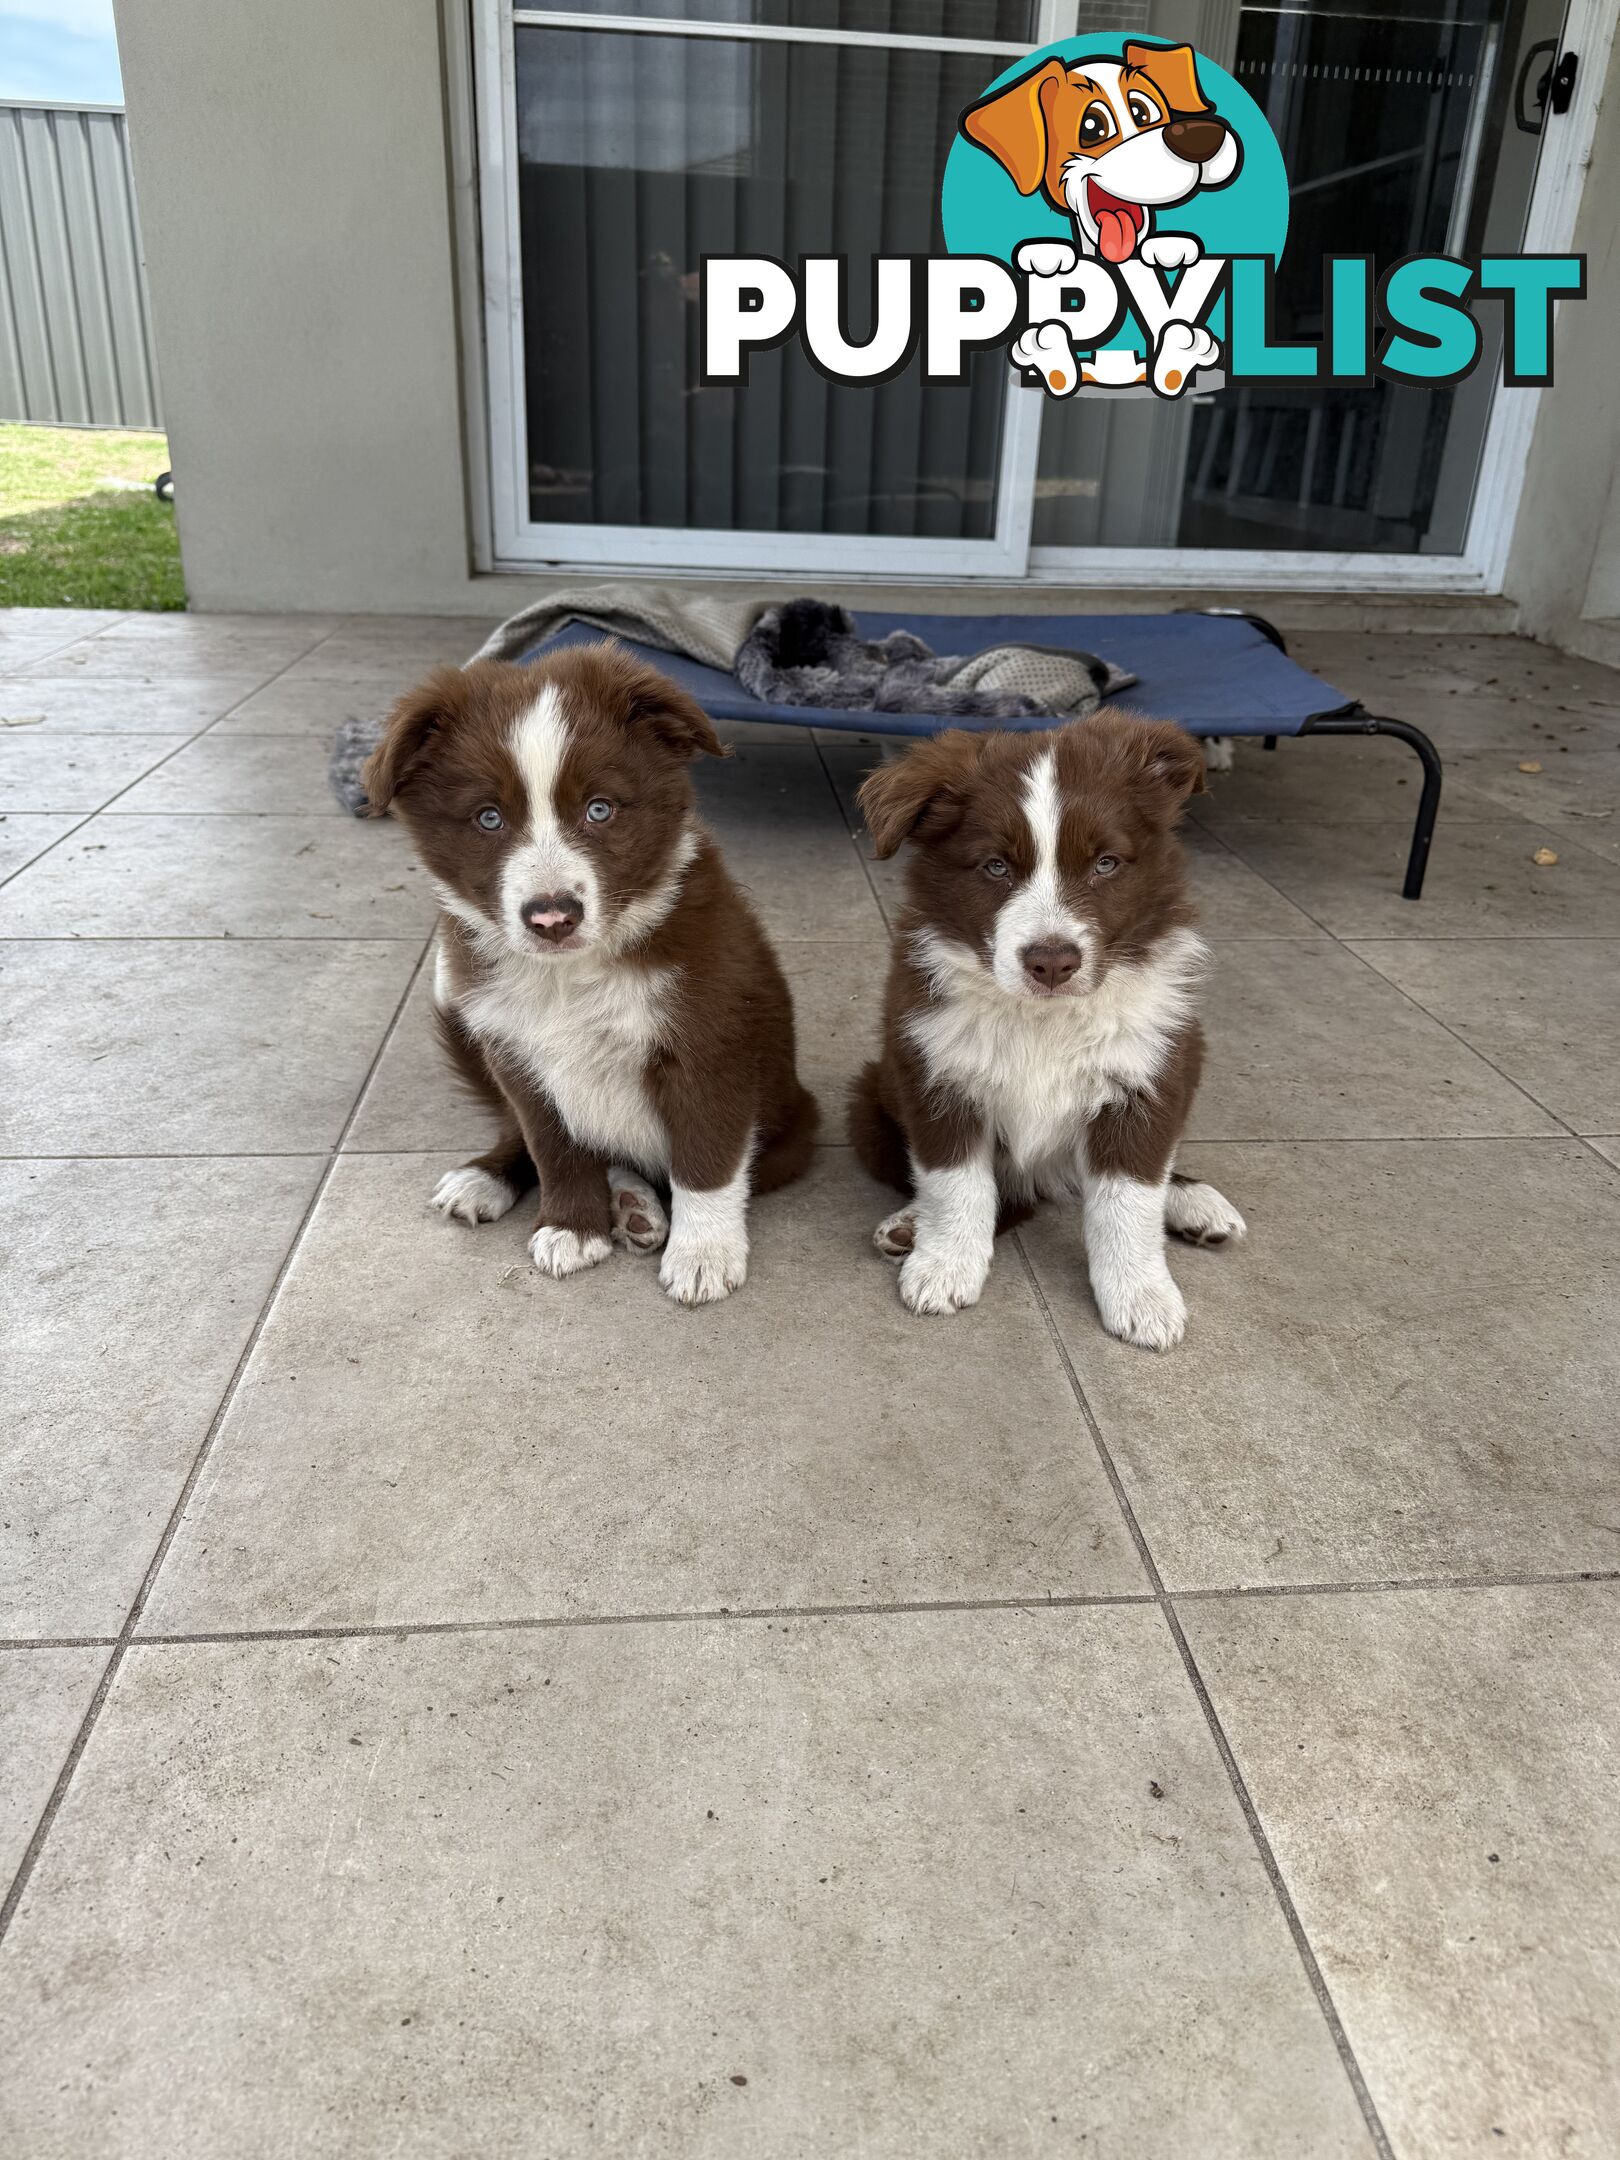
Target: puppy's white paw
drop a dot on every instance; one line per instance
(567, 1252)
(1183, 349)
(1169, 251)
(698, 1271)
(1201, 1215)
(896, 1234)
(1149, 1311)
(932, 1281)
(1046, 348)
(1046, 258)
(1219, 755)
(639, 1222)
(472, 1196)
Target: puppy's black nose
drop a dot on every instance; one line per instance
(1195, 140)
(1050, 965)
(554, 917)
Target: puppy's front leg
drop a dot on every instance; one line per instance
(706, 1256)
(575, 1215)
(955, 1215)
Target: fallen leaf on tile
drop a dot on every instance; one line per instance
(1544, 856)
(1530, 764)
(25, 719)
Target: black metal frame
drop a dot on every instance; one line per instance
(1354, 719)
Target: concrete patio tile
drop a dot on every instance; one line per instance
(1608, 1146)
(892, 1884)
(1380, 665)
(183, 647)
(245, 877)
(130, 1291)
(1307, 1043)
(309, 706)
(284, 774)
(54, 704)
(181, 1047)
(41, 770)
(1576, 793)
(413, 1104)
(1547, 1012)
(1409, 1368)
(1329, 781)
(432, 1430)
(43, 1697)
(1233, 900)
(391, 658)
(25, 835)
(1482, 882)
(1436, 1772)
(61, 626)
(784, 840)
(838, 1011)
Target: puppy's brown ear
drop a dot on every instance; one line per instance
(920, 795)
(1011, 125)
(667, 712)
(409, 733)
(1169, 759)
(1173, 71)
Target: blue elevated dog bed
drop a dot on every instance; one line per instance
(1214, 672)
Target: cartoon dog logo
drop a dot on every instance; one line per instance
(1108, 142)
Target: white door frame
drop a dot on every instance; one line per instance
(515, 543)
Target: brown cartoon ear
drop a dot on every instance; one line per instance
(920, 795)
(408, 736)
(1011, 125)
(1173, 72)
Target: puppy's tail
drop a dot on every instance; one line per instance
(879, 1144)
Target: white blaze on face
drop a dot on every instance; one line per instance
(546, 858)
(1038, 913)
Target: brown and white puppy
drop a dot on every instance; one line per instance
(1039, 1039)
(600, 981)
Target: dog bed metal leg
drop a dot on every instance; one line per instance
(1428, 809)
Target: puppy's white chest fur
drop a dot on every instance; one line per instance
(584, 1030)
(1040, 1069)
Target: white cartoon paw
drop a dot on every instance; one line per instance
(639, 1222)
(1045, 347)
(942, 1281)
(1169, 251)
(1183, 349)
(472, 1195)
(567, 1252)
(1046, 258)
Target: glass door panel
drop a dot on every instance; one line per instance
(1401, 133)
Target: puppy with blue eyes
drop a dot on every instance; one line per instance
(600, 982)
(1039, 1036)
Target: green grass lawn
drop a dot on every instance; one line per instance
(71, 537)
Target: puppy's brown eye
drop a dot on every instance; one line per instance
(1142, 112)
(995, 867)
(489, 819)
(598, 810)
(1105, 866)
(1096, 124)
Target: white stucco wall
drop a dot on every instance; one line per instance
(291, 176)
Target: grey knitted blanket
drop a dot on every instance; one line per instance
(804, 652)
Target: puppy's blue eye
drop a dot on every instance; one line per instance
(995, 867)
(1106, 865)
(489, 818)
(599, 810)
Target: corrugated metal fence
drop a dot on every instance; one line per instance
(75, 328)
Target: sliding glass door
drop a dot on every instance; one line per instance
(619, 145)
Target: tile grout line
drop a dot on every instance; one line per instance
(112, 682)
(87, 1724)
(853, 835)
(900, 1608)
(1346, 946)
(1251, 1814)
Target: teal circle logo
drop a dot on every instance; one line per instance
(1115, 144)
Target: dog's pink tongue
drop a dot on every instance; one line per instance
(1116, 234)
